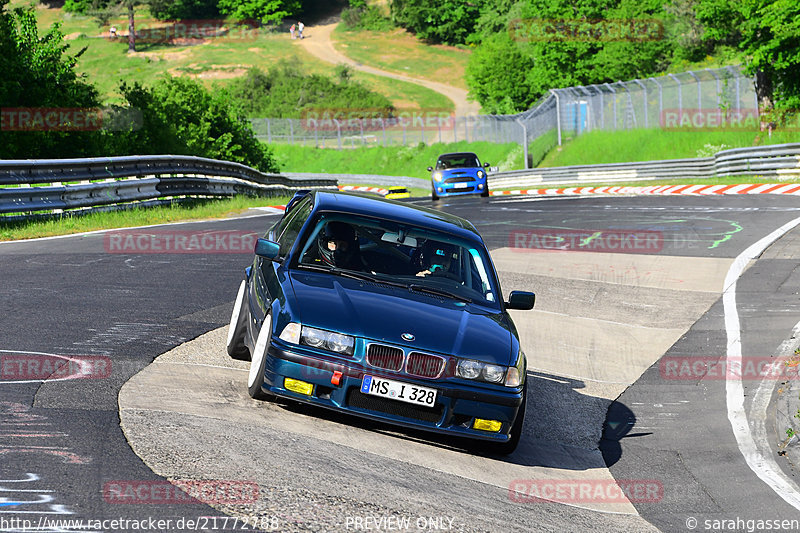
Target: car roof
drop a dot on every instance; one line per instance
(458, 154)
(347, 202)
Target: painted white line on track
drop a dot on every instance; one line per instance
(764, 467)
(107, 230)
(73, 358)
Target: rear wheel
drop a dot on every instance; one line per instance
(258, 362)
(238, 326)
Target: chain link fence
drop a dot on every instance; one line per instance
(702, 99)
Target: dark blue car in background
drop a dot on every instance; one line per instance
(458, 173)
(386, 311)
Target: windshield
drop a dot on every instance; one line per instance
(457, 161)
(408, 256)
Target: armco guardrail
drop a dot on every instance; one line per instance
(39, 185)
(369, 179)
(775, 160)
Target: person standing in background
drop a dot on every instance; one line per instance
(291, 30)
(300, 27)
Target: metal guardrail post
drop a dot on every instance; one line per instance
(558, 114)
(525, 141)
(699, 90)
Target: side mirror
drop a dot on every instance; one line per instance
(430, 169)
(521, 300)
(486, 165)
(268, 249)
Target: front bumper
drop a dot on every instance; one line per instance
(477, 186)
(455, 410)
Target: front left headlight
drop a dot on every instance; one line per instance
(437, 176)
(480, 174)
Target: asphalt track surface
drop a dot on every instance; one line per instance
(62, 447)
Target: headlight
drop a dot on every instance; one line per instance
(480, 174)
(437, 176)
(327, 340)
(469, 369)
(340, 343)
(494, 373)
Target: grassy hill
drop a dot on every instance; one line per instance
(216, 60)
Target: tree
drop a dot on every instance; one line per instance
(497, 76)
(265, 11)
(437, 21)
(181, 117)
(768, 32)
(38, 73)
(183, 9)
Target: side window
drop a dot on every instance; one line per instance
(287, 233)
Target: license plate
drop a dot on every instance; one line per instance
(461, 185)
(395, 390)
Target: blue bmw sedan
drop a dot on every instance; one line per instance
(386, 311)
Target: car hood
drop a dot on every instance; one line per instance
(382, 313)
(464, 171)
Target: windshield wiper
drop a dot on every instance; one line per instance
(438, 292)
(352, 274)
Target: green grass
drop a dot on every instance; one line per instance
(65, 225)
(598, 147)
(727, 180)
(106, 62)
(392, 160)
(399, 51)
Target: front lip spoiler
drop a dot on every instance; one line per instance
(347, 370)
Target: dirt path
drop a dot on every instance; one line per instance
(317, 41)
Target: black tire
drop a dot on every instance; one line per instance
(255, 378)
(434, 196)
(237, 328)
(485, 192)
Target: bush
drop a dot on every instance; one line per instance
(38, 73)
(365, 17)
(285, 92)
(181, 117)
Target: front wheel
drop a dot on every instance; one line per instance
(258, 362)
(238, 327)
(434, 196)
(485, 192)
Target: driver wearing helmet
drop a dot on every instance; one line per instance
(435, 258)
(337, 246)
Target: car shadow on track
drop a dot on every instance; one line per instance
(562, 430)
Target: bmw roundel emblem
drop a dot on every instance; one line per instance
(408, 337)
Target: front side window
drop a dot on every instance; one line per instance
(287, 230)
(410, 256)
